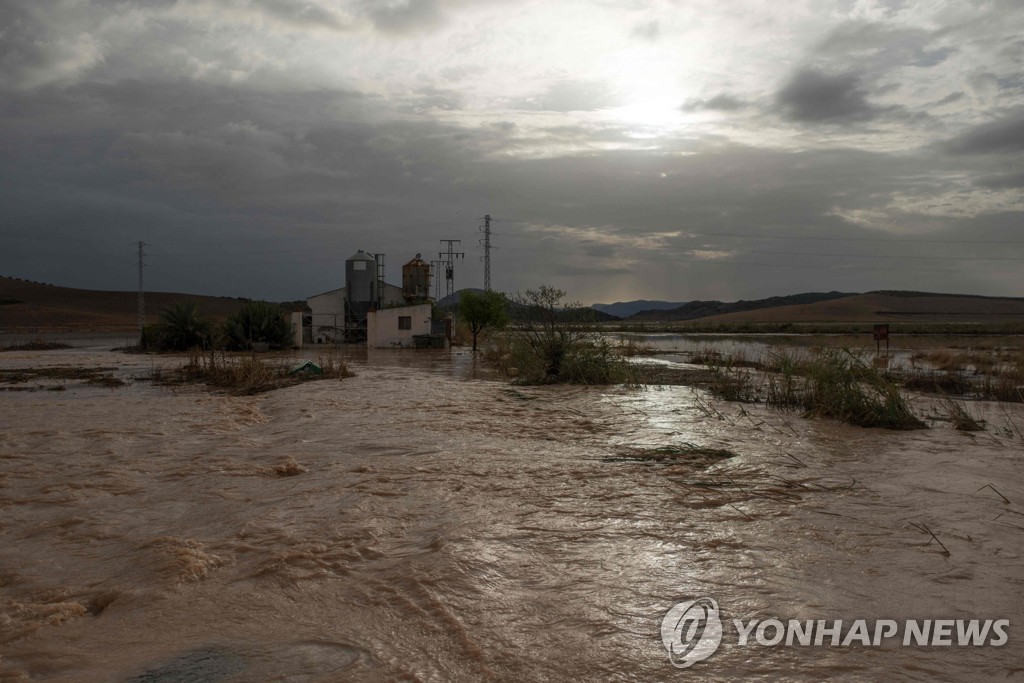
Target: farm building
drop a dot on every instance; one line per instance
(368, 309)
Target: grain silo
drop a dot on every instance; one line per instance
(416, 280)
(360, 292)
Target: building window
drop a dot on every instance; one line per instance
(405, 322)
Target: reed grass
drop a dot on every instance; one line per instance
(833, 383)
(961, 419)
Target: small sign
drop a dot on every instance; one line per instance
(881, 333)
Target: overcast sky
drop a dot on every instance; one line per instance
(626, 149)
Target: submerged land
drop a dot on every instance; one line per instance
(212, 516)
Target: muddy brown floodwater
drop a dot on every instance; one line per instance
(412, 523)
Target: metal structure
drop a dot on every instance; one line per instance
(362, 292)
(416, 280)
(449, 257)
(487, 252)
(436, 267)
(379, 258)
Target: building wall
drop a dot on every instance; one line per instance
(383, 326)
(328, 315)
(392, 296)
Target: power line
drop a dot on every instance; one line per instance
(814, 253)
(724, 262)
(851, 239)
(346, 234)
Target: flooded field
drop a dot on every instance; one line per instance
(425, 521)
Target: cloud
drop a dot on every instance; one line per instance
(304, 14)
(950, 99)
(405, 16)
(570, 95)
(649, 31)
(201, 126)
(720, 102)
(877, 47)
(815, 97)
(33, 54)
(1003, 136)
(1002, 182)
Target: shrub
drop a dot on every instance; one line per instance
(181, 328)
(843, 386)
(257, 322)
(247, 374)
(482, 311)
(549, 342)
(833, 383)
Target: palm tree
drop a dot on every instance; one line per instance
(182, 327)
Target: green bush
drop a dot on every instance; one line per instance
(258, 322)
(832, 383)
(843, 386)
(181, 328)
(549, 342)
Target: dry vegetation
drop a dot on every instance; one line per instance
(28, 379)
(37, 344)
(960, 417)
(247, 374)
(991, 374)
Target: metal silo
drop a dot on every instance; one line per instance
(360, 292)
(416, 280)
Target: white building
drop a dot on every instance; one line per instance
(391, 328)
(328, 312)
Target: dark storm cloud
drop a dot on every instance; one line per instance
(1003, 136)
(812, 96)
(32, 52)
(1002, 182)
(720, 102)
(216, 143)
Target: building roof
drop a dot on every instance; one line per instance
(331, 291)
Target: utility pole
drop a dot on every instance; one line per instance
(379, 303)
(449, 267)
(487, 252)
(142, 296)
(435, 270)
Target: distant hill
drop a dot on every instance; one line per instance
(888, 306)
(705, 309)
(590, 314)
(446, 301)
(624, 309)
(27, 305)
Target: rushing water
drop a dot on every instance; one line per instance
(417, 522)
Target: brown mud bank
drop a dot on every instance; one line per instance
(409, 524)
